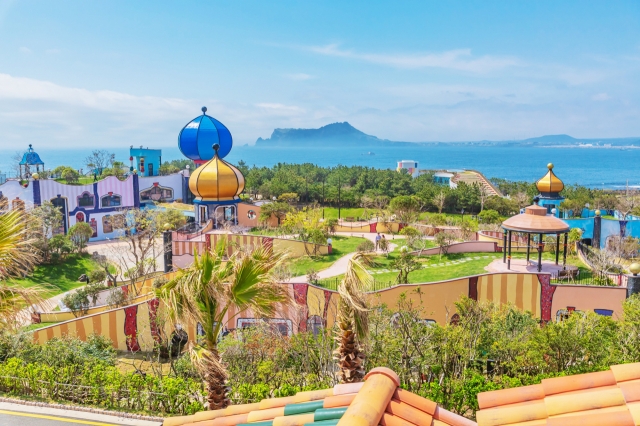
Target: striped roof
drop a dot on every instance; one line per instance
(609, 397)
(377, 401)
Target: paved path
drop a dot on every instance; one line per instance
(339, 267)
(17, 414)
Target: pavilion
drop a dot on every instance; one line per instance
(536, 220)
(29, 159)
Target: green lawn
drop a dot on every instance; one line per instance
(32, 327)
(58, 278)
(341, 246)
(434, 269)
(355, 213)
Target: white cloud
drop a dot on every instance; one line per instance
(25, 50)
(601, 97)
(459, 59)
(299, 76)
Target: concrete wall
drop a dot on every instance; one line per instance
(248, 215)
(134, 325)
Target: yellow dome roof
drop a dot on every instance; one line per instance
(216, 180)
(550, 182)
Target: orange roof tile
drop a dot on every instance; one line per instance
(609, 397)
(377, 401)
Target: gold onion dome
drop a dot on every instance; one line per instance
(550, 182)
(216, 180)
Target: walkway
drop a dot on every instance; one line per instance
(340, 266)
(16, 414)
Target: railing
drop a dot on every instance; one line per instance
(332, 284)
(582, 277)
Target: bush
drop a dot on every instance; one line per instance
(489, 216)
(160, 281)
(97, 275)
(77, 302)
(79, 234)
(366, 246)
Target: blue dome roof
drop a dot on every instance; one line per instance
(197, 138)
(31, 158)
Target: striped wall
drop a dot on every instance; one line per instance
(134, 328)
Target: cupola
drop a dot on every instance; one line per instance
(550, 183)
(216, 180)
(200, 134)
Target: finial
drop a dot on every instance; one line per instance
(204, 110)
(216, 147)
(550, 166)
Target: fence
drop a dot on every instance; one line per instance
(332, 284)
(586, 277)
(613, 271)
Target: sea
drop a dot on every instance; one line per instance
(595, 167)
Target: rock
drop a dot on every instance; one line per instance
(83, 278)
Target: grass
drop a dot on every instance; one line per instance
(32, 327)
(341, 246)
(355, 213)
(60, 277)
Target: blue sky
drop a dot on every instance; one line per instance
(115, 73)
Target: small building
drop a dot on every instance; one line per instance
(410, 166)
(147, 161)
(443, 178)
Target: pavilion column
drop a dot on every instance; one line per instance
(504, 245)
(509, 255)
(528, 247)
(564, 255)
(540, 247)
(557, 247)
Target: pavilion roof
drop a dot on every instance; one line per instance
(535, 220)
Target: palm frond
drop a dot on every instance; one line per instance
(352, 289)
(17, 252)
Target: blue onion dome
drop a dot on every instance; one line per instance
(31, 158)
(200, 134)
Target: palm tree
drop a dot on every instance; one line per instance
(204, 292)
(353, 319)
(18, 255)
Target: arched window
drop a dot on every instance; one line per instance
(111, 200)
(156, 193)
(86, 200)
(107, 227)
(79, 217)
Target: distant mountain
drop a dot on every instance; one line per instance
(333, 134)
(339, 134)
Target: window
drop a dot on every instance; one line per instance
(315, 324)
(107, 227)
(282, 326)
(251, 214)
(86, 200)
(156, 193)
(110, 201)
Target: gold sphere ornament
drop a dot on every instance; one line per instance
(634, 268)
(550, 166)
(598, 212)
(167, 226)
(35, 176)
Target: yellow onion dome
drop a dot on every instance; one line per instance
(216, 180)
(550, 182)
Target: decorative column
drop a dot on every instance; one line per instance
(597, 230)
(504, 246)
(509, 255)
(564, 255)
(540, 248)
(633, 281)
(557, 247)
(528, 247)
(168, 251)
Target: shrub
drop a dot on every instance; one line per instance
(160, 281)
(97, 275)
(366, 246)
(489, 216)
(79, 234)
(77, 302)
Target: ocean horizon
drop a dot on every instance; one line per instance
(609, 168)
